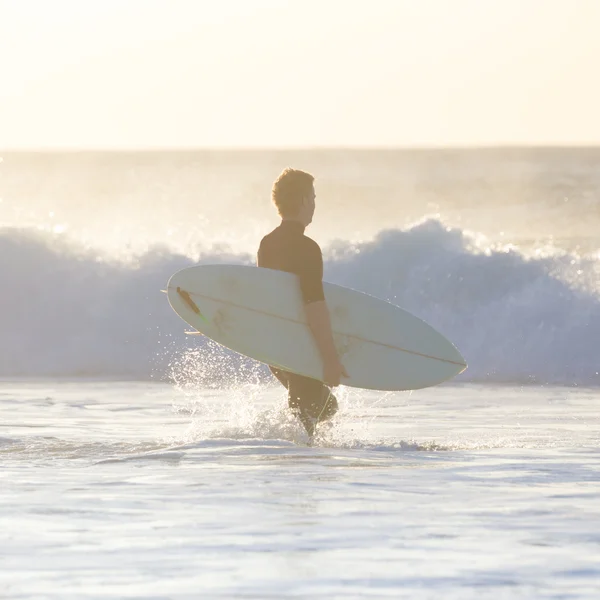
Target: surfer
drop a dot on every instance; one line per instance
(286, 248)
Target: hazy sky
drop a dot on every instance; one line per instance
(156, 73)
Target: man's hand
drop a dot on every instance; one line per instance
(333, 371)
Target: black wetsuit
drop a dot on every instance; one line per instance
(286, 248)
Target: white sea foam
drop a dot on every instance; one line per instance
(516, 318)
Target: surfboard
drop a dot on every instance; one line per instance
(259, 313)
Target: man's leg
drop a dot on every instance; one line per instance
(311, 400)
(281, 376)
(308, 398)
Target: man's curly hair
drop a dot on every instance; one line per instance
(289, 189)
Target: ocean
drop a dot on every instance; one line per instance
(139, 462)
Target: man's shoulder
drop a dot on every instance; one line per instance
(311, 244)
(268, 236)
(276, 241)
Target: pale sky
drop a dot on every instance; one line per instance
(264, 73)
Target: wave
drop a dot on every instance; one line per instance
(68, 311)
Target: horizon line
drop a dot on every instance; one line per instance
(299, 148)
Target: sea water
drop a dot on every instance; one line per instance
(138, 462)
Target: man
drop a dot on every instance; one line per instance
(286, 248)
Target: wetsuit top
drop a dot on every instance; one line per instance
(286, 248)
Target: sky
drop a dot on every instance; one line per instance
(141, 74)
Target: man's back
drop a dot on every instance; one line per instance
(286, 248)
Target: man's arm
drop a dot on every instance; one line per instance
(317, 316)
(310, 271)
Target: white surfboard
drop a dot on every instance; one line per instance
(259, 313)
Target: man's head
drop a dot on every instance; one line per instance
(294, 195)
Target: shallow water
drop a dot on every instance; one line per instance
(141, 490)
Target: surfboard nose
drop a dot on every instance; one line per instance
(457, 358)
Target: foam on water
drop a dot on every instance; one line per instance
(136, 489)
(515, 317)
